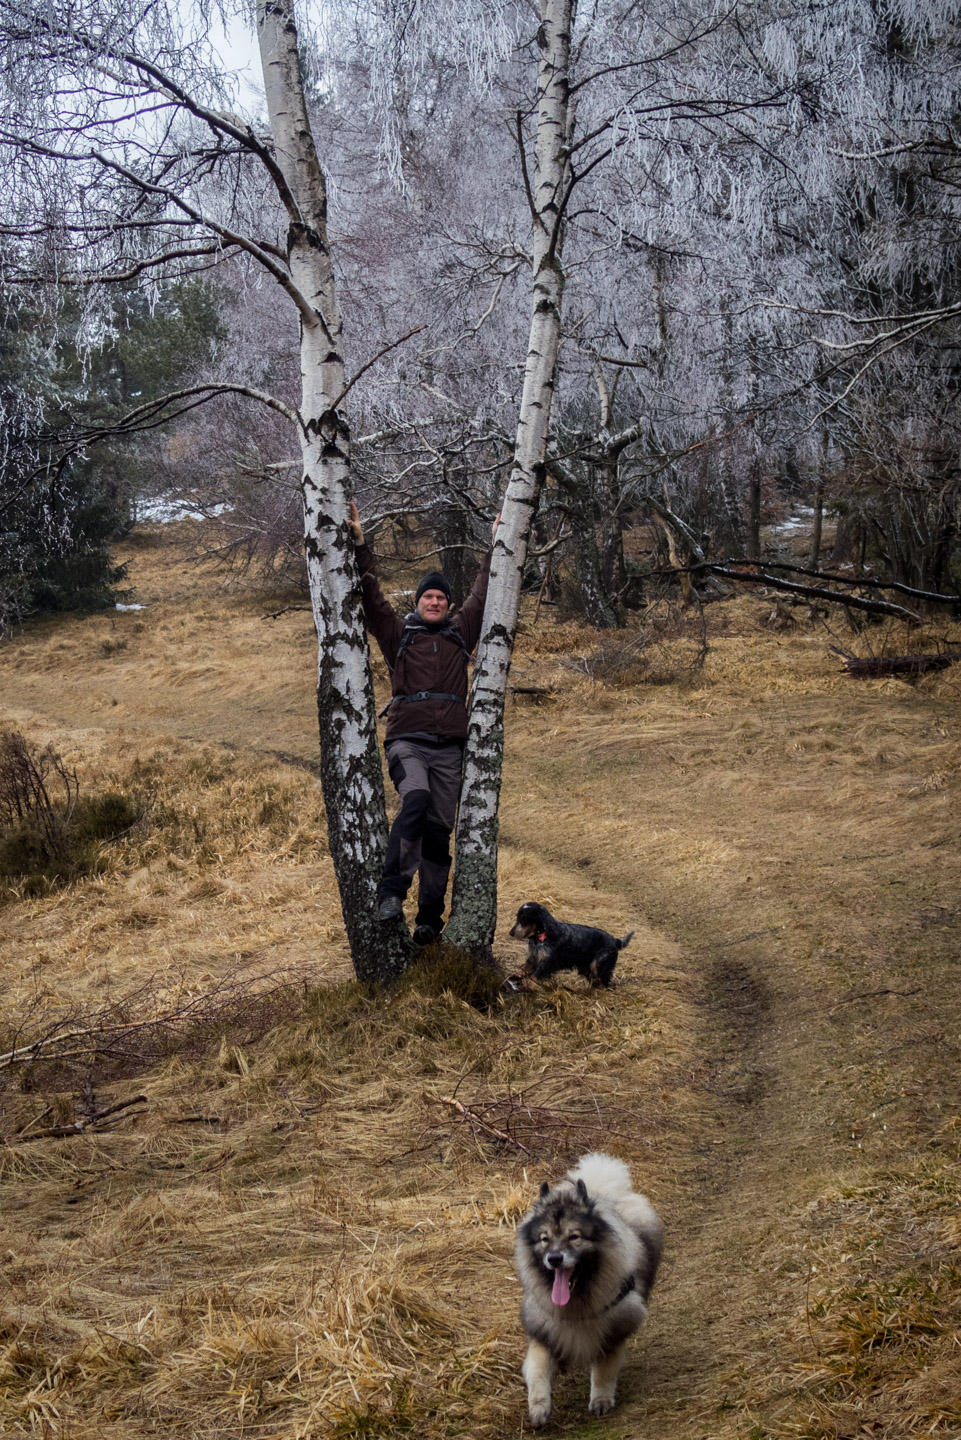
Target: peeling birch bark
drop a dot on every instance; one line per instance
(474, 902)
(351, 774)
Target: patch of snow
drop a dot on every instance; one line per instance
(801, 520)
(164, 511)
(118, 606)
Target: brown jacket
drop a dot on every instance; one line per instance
(432, 660)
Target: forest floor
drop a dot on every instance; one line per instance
(290, 1229)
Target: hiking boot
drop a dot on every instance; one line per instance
(425, 935)
(391, 908)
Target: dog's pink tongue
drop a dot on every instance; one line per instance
(561, 1292)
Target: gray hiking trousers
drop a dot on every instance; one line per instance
(426, 775)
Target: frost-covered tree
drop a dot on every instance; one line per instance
(893, 407)
(783, 283)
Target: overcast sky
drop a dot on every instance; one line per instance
(238, 46)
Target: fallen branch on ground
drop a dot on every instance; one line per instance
(200, 1020)
(99, 1120)
(468, 1114)
(549, 1118)
(877, 665)
(287, 610)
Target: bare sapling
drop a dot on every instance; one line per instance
(36, 786)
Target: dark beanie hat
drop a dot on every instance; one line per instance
(434, 581)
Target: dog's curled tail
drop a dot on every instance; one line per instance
(603, 1175)
(626, 940)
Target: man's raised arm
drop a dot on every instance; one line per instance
(379, 615)
(471, 612)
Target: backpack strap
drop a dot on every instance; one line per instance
(414, 626)
(422, 695)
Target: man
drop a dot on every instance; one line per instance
(427, 654)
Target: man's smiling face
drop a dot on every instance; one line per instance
(433, 606)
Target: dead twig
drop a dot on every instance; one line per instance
(99, 1120)
(468, 1113)
(550, 1117)
(287, 610)
(105, 1032)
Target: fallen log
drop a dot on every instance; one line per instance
(874, 666)
(815, 592)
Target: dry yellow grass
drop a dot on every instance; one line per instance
(293, 1234)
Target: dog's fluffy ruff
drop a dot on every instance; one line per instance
(613, 1236)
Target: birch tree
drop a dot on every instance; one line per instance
(350, 760)
(473, 909)
(634, 107)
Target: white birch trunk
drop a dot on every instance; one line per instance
(351, 774)
(474, 904)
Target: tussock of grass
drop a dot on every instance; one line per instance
(445, 969)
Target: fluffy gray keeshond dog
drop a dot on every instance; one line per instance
(587, 1254)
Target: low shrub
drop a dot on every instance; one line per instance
(49, 833)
